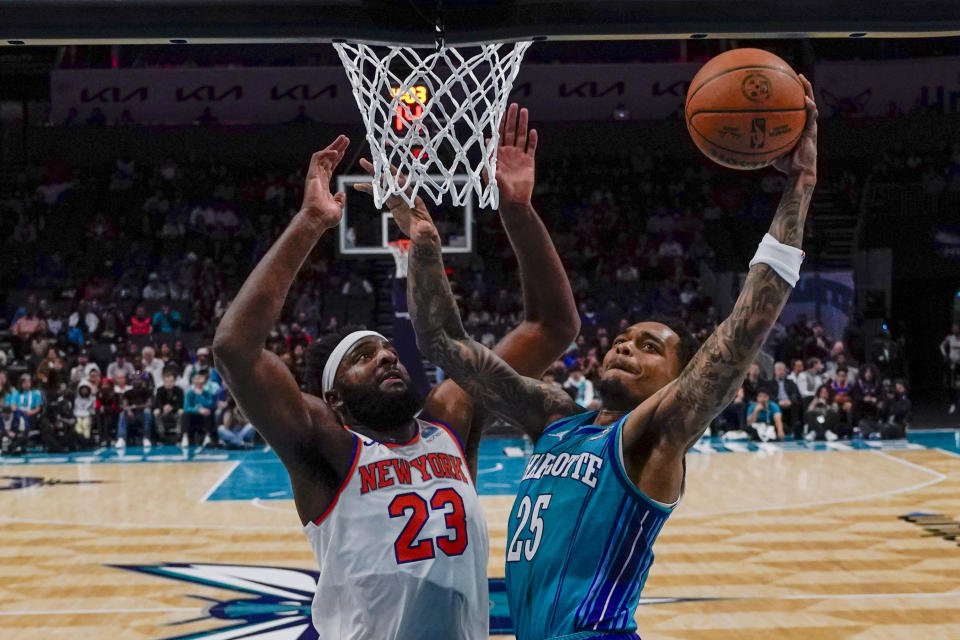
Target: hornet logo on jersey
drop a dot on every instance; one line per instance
(276, 600)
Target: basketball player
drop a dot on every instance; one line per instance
(601, 484)
(386, 500)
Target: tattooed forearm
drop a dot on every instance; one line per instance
(787, 225)
(710, 381)
(480, 372)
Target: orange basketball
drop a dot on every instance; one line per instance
(745, 108)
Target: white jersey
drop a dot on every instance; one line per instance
(403, 546)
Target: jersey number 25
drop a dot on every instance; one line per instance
(528, 510)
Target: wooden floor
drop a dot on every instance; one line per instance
(765, 545)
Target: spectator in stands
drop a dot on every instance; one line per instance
(119, 365)
(151, 365)
(198, 407)
(752, 383)
(167, 320)
(900, 409)
(785, 393)
(733, 419)
(5, 387)
(298, 336)
(136, 410)
(107, 411)
(121, 384)
(822, 419)
(168, 407)
(140, 323)
(14, 432)
(580, 387)
(235, 430)
(58, 427)
(765, 417)
(50, 371)
(205, 365)
(810, 380)
(670, 248)
(842, 390)
(23, 329)
(27, 400)
(866, 394)
(155, 289)
(886, 354)
(816, 345)
(78, 372)
(84, 410)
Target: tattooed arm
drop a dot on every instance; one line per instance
(490, 382)
(661, 430)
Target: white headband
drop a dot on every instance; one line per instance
(333, 362)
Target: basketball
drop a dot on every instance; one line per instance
(745, 108)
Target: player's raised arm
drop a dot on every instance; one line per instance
(491, 382)
(261, 383)
(675, 417)
(550, 319)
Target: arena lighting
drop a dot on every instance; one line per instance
(31, 22)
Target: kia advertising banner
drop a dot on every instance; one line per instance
(265, 95)
(273, 95)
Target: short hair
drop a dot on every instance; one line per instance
(148, 348)
(688, 344)
(841, 370)
(317, 355)
(170, 370)
(811, 362)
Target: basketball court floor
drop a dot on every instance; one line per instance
(847, 540)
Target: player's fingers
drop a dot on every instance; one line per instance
(509, 133)
(340, 144)
(532, 142)
(366, 165)
(340, 198)
(324, 162)
(365, 187)
(812, 113)
(522, 129)
(807, 87)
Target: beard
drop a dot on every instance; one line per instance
(615, 395)
(379, 410)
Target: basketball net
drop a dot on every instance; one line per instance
(435, 112)
(400, 250)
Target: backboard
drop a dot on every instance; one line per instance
(365, 230)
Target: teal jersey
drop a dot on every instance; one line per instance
(580, 536)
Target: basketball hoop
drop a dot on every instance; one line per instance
(433, 111)
(400, 250)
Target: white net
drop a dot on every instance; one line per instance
(433, 115)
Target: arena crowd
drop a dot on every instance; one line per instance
(120, 274)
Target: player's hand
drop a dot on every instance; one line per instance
(319, 205)
(802, 161)
(515, 158)
(411, 220)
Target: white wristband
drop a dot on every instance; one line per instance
(782, 258)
